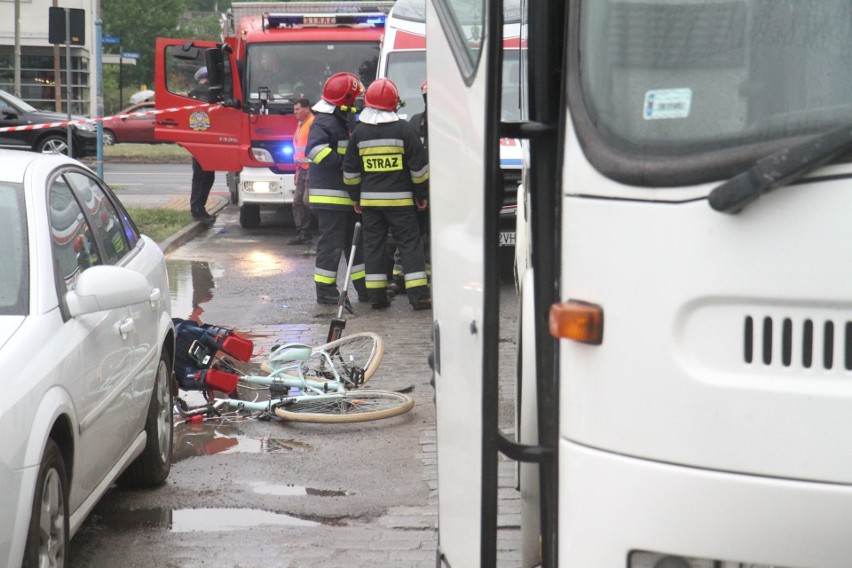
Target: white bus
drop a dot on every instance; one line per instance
(685, 342)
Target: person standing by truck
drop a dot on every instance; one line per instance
(202, 180)
(387, 172)
(301, 209)
(329, 198)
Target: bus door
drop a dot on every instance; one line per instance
(465, 74)
(203, 117)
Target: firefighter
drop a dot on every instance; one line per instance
(420, 123)
(387, 171)
(327, 141)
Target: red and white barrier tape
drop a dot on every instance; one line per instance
(104, 119)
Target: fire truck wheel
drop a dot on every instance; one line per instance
(250, 216)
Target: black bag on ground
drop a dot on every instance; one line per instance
(196, 344)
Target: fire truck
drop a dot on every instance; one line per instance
(271, 55)
(403, 60)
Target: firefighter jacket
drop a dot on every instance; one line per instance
(327, 141)
(386, 165)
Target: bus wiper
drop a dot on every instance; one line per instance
(780, 169)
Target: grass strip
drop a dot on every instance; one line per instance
(159, 223)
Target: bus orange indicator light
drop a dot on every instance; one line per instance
(577, 320)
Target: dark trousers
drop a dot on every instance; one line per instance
(403, 225)
(335, 241)
(301, 210)
(202, 182)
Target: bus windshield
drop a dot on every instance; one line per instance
(663, 79)
(299, 70)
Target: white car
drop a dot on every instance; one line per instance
(86, 354)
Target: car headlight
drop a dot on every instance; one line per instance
(87, 126)
(262, 155)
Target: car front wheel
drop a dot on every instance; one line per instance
(47, 538)
(154, 463)
(53, 144)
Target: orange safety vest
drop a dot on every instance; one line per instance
(300, 143)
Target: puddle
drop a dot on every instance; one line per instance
(289, 489)
(192, 284)
(210, 438)
(194, 520)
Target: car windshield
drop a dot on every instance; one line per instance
(663, 79)
(23, 105)
(299, 70)
(14, 256)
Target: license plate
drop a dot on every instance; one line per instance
(507, 238)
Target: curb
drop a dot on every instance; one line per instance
(190, 231)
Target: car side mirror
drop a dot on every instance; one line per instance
(106, 288)
(10, 113)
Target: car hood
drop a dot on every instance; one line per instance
(8, 326)
(44, 116)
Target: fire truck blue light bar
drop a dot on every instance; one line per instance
(374, 19)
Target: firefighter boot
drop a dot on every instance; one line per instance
(379, 299)
(420, 298)
(327, 294)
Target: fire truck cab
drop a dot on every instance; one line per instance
(273, 54)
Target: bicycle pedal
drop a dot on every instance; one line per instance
(264, 417)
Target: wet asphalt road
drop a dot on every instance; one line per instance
(245, 492)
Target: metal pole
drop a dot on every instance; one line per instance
(120, 77)
(18, 48)
(99, 93)
(68, 73)
(57, 73)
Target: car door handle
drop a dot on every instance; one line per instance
(167, 122)
(126, 327)
(155, 296)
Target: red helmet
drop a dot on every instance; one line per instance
(342, 89)
(382, 94)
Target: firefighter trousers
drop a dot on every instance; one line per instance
(403, 225)
(335, 241)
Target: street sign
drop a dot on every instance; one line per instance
(131, 54)
(57, 24)
(110, 39)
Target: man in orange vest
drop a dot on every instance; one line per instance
(301, 211)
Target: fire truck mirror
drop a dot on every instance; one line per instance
(219, 79)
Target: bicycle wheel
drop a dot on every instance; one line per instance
(355, 406)
(355, 357)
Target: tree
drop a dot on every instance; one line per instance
(139, 23)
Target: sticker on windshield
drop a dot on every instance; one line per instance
(667, 103)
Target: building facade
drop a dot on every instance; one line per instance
(43, 65)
